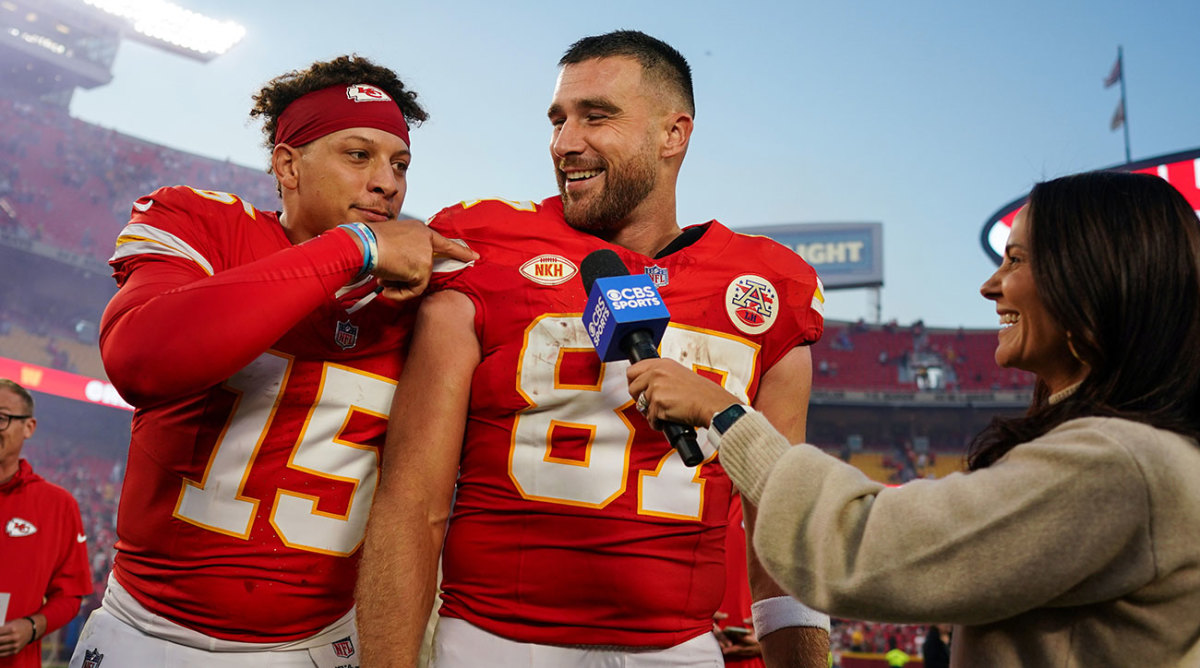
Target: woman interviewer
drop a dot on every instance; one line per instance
(1074, 538)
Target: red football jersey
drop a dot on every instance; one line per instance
(245, 501)
(574, 521)
(44, 554)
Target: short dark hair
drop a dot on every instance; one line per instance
(659, 60)
(285, 89)
(26, 397)
(1115, 257)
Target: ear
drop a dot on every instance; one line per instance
(30, 427)
(285, 164)
(678, 126)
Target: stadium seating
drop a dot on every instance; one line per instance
(26, 346)
(71, 184)
(871, 463)
(857, 356)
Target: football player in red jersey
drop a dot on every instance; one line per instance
(45, 572)
(260, 351)
(578, 537)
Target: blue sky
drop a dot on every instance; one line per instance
(925, 116)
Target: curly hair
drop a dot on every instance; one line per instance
(285, 89)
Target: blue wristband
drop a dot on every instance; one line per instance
(370, 245)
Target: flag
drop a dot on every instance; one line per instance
(1115, 75)
(1118, 117)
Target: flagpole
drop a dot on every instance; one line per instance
(1124, 108)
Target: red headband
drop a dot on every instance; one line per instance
(328, 110)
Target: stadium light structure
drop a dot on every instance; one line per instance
(164, 24)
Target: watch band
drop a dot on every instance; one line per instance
(723, 420)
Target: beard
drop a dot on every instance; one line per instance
(624, 189)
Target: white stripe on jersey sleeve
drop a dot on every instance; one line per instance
(142, 239)
(448, 265)
(354, 285)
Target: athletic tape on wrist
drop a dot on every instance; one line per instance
(772, 614)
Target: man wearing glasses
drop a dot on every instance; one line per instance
(42, 544)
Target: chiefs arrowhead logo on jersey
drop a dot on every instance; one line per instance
(549, 269)
(18, 527)
(366, 93)
(752, 303)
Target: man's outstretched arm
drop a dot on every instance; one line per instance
(398, 575)
(783, 399)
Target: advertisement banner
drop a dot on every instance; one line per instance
(61, 383)
(845, 255)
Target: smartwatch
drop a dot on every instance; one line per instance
(723, 420)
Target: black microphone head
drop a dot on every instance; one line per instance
(600, 264)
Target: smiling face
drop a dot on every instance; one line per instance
(352, 175)
(603, 144)
(1029, 338)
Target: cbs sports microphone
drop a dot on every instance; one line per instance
(625, 319)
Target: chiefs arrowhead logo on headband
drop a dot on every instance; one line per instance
(367, 93)
(328, 110)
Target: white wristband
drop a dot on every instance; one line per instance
(772, 614)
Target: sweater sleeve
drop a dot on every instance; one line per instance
(1059, 521)
(172, 329)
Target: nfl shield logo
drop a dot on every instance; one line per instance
(344, 648)
(92, 658)
(658, 275)
(346, 335)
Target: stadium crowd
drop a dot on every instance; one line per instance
(43, 150)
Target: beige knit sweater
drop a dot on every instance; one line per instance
(1080, 548)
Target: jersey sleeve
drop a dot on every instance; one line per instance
(474, 224)
(452, 224)
(194, 304)
(801, 315)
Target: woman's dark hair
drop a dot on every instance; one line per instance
(285, 89)
(1116, 260)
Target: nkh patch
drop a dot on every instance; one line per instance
(18, 528)
(549, 269)
(346, 334)
(92, 658)
(752, 303)
(344, 647)
(658, 275)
